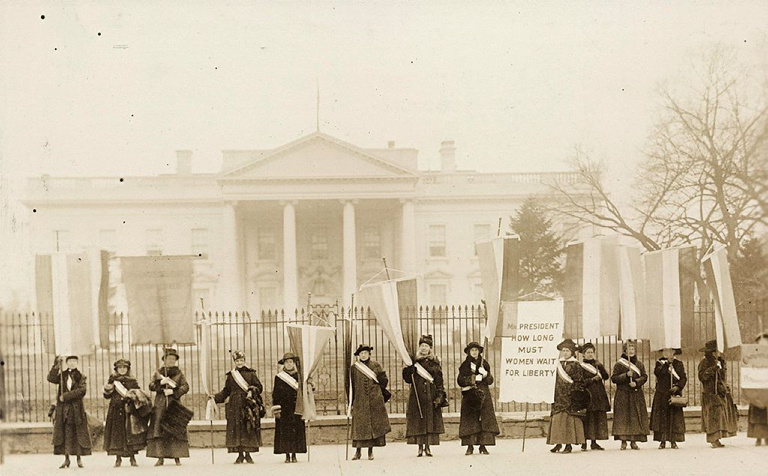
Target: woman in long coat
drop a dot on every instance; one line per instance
(668, 422)
(242, 392)
(596, 420)
(424, 415)
(290, 436)
(630, 415)
(169, 384)
(478, 425)
(758, 417)
(71, 435)
(370, 422)
(718, 412)
(119, 440)
(565, 428)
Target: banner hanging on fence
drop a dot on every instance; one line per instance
(72, 291)
(159, 292)
(528, 360)
(308, 342)
(390, 302)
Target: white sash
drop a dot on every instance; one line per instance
(366, 371)
(626, 363)
(589, 368)
(562, 373)
(287, 378)
(240, 381)
(424, 374)
(120, 388)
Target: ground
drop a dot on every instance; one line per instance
(695, 456)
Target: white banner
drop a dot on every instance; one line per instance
(529, 360)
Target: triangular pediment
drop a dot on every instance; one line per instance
(318, 156)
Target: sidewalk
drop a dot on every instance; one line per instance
(694, 457)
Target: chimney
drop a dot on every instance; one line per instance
(183, 162)
(448, 156)
(391, 144)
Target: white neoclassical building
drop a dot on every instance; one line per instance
(313, 216)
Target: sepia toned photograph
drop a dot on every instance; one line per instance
(371, 237)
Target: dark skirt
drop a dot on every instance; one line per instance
(430, 439)
(71, 445)
(290, 435)
(596, 425)
(380, 441)
(485, 438)
(168, 447)
(565, 429)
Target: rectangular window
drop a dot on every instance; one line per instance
(482, 232)
(154, 242)
(319, 243)
(372, 244)
(437, 241)
(107, 239)
(267, 245)
(200, 241)
(438, 294)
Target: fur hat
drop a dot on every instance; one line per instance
(427, 339)
(473, 345)
(363, 347)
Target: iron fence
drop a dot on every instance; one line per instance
(28, 395)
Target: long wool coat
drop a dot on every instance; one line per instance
(718, 412)
(667, 422)
(70, 413)
(630, 415)
(242, 435)
(369, 415)
(429, 395)
(118, 438)
(477, 415)
(159, 444)
(290, 436)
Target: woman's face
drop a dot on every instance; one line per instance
(630, 350)
(289, 365)
(424, 348)
(589, 354)
(122, 370)
(474, 352)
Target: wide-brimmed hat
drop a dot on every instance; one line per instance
(587, 345)
(710, 346)
(567, 344)
(122, 363)
(363, 347)
(238, 354)
(170, 351)
(289, 356)
(427, 339)
(473, 345)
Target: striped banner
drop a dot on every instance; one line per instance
(308, 342)
(718, 280)
(391, 302)
(499, 260)
(72, 291)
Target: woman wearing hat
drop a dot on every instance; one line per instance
(565, 428)
(242, 392)
(169, 385)
(758, 417)
(119, 440)
(630, 415)
(596, 419)
(478, 424)
(370, 421)
(71, 435)
(667, 421)
(290, 436)
(718, 412)
(424, 415)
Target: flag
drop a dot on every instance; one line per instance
(631, 290)
(308, 342)
(718, 280)
(669, 291)
(393, 303)
(499, 260)
(159, 292)
(591, 289)
(71, 291)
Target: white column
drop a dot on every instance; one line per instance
(350, 253)
(408, 237)
(230, 298)
(290, 270)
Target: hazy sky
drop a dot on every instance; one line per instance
(515, 84)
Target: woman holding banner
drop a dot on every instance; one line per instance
(758, 417)
(119, 439)
(718, 412)
(424, 414)
(630, 414)
(596, 419)
(478, 424)
(370, 422)
(167, 435)
(71, 435)
(242, 392)
(565, 428)
(667, 421)
(290, 436)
